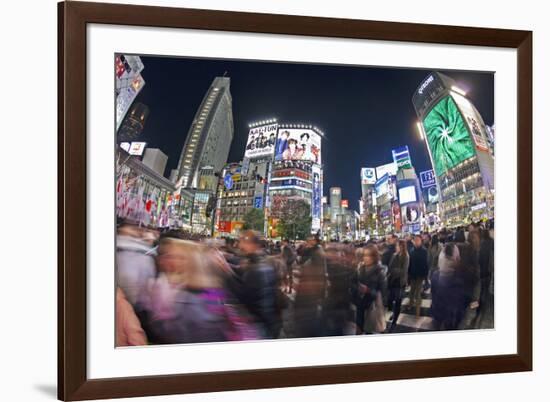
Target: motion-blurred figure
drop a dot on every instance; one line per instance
(135, 263)
(311, 289)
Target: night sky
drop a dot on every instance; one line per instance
(363, 111)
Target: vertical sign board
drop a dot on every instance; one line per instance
(402, 157)
(258, 202)
(316, 209)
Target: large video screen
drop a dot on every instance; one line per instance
(298, 144)
(447, 135)
(407, 195)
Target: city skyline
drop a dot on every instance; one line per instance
(365, 112)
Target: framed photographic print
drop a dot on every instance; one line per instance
(253, 200)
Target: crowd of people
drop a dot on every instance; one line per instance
(176, 288)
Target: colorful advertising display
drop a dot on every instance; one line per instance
(316, 209)
(298, 144)
(396, 212)
(410, 214)
(382, 186)
(427, 178)
(401, 157)
(368, 175)
(344, 203)
(389, 168)
(474, 121)
(261, 141)
(447, 135)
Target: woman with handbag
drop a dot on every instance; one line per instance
(369, 288)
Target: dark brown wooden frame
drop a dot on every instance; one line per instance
(73, 383)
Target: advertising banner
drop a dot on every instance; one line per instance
(258, 202)
(382, 186)
(474, 121)
(224, 226)
(447, 135)
(316, 209)
(396, 211)
(298, 144)
(427, 178)
(344, 203)
(410, 214)
(368, 175)
(433, 196)
(389, 168)
(401, 157)
(137, 148)
(261, 141)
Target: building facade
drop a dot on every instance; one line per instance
(459, 149)
(209, 138)
(155, 159)
(133, 124)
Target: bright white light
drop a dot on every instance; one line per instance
(458, 90)
(420, 131)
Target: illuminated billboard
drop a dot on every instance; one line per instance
(344, 203)
(402, 157)
(298, 144)
(427, 178)
(474, 121)
(137, 148)
(407, 195)
(389, 168)
(447, 135)
(382, 186)
(316, 205)
(261, 141)
(410, 214)
(368, 175)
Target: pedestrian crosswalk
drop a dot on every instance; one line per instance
(407, 320)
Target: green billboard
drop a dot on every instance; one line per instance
(447, 135)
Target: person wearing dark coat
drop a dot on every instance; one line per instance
(311, 289)
(368, 281)
(397, 280)
(418, 272)
(389, 251)
(486, 269)
(257, 285)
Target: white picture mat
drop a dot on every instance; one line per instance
(106, 361)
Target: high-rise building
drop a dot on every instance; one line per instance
(459, 149)
(335, 201)
(296, 172)
(133, 123)
(209, 138)
(155, 159)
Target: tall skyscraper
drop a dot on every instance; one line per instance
(335, 199)
(209, 138)
(133, 123)
(155, 159)
(459, 149)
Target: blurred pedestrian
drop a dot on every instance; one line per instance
(418, 272)
(397, 280)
